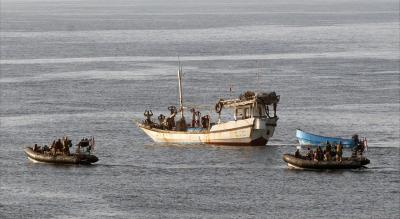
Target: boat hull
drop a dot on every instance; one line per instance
(247, 132)
(308, 139)
(346, 163)
(60, 159)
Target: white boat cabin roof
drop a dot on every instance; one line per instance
(237, 103)
(251, 98)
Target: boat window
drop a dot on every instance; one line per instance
(239, 113)
(259, 110)
(247, 113)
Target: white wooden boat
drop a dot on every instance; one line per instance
(251, 124)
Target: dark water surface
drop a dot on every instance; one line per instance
(82, 68)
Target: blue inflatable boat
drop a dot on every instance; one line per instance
(308, 139)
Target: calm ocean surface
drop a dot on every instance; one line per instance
(82, 68)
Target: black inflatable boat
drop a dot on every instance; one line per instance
(346, 163)
(60, 158)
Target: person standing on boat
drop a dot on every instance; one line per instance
(310, 154)
(297, 153)
(328, 145)
(328, 151)
(193, 111)
(317, 153)
(320, 154)
(360, 147)
(339, 152)
(355, 139)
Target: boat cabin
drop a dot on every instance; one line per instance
(249, 111)
(250, 105)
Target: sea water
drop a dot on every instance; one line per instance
(91, 68)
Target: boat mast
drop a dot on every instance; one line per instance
(180, 89)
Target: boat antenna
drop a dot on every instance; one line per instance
(230, 88)
(258, 77)
(180, 87)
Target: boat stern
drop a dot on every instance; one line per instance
(264, 127)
